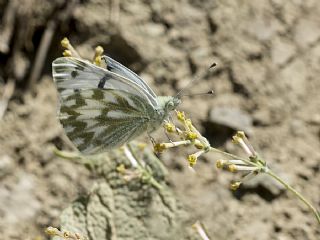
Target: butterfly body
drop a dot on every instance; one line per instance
(102, 109)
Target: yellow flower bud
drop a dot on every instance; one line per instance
(67, 53)
(99, 50)
(235, 139)
(51, 231)
(241, 134)
(235, 185)
(121, 168)
(199, 145)
(181, 116)
(232, 168)
(97, 60)
(159, 147)
(191, 136)
(220, 163)
(169, 127)
(192, 159)
(65, 42)
(189, 123)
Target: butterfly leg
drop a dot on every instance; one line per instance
(152, 139)
(153, 144)
(168, 137)
(170, 120)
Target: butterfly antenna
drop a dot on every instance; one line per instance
(211, 92)
(212, 66)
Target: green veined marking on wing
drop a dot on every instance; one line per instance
(100, 125)
(117, 134)
(122, 133)
(87, 138)
(103, 118)
(77, 126)
(113, 130)
(126, 132)
(97, 94)
(92, 108)
(127, 103)
(72, 126)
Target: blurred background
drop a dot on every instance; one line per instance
(266, 83)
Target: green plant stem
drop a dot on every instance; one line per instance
(65, 155)
(154, 183)
(288, 187)
(140, 167)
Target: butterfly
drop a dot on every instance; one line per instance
(104, 108)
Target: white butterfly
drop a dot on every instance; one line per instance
(102, 109)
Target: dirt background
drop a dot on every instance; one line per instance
(266, 83)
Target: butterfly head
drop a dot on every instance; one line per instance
(168, 103)
(172, 104)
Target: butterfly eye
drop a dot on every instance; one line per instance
(170, 104)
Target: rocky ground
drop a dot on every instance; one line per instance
(266, 83)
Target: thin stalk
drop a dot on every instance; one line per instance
(235, 157)
(288, 187)
(154, 183)
(141, 168)
(66, 155)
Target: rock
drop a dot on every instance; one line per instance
(282, 50)
(264, 186)
(273, 188)
(18, 202)
(231, 118)
(306, 32)
(6, 165)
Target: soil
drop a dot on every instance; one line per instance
(266, 79)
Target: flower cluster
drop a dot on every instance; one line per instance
(188, 135)
(250, 166)
(71, 52)
(66, 235)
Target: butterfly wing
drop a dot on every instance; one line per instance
(72, 74)
(100, 109)
(97, 120)
(118, 68)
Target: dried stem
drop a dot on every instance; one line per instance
(46, 41)
(7, 94)
(198, 227)
(42, 52)
(7, 26)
